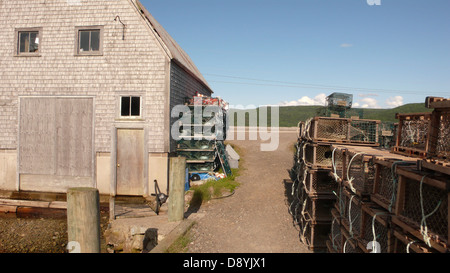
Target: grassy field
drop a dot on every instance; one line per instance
(291, 115)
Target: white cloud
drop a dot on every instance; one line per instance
(368, 103)
(346, 45)
(394, 101)
(320, 99)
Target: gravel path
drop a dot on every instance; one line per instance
(256, 218)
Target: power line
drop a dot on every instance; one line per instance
(314, 86)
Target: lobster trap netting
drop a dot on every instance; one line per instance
(333, 129)
(317, 154)
(443, 137)
(201, 167)
(351, 246)
(364, 131)
(414, 133)
(354, 216)
(318, 209)
(198, 155)
(196, 144)
(386, 189)
(315, 235)
(374, 230)
(426, 206)
(320, 182)
(341, 201)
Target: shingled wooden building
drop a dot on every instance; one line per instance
(86, 90)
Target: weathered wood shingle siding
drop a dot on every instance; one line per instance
(136, 64)
(182, 85)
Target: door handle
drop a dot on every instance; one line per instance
(118, 165)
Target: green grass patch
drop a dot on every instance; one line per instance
(217, 188)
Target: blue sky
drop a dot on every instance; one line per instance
(295, 52)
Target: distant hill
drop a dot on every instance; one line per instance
(291, 115)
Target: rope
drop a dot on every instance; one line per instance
(333, 237)
(307, 127)
(373, 227)
(408, 245)
(336, 176)
(423, 222)
(350, 216)
(303, 150)
(350, 180)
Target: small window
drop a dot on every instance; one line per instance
(27, 42)
(89, 41)
(130, 106)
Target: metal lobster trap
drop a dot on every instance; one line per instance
(422, 206)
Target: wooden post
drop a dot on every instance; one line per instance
(176, 187)
(83, 220)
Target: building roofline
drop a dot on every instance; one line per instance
(175, 53)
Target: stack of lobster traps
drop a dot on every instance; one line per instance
(395, 201)
(314, 190)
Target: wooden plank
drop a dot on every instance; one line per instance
(400, 199)
(417, 176)
(25, 203)
(8, 209)
(440, 104)
(442, 167)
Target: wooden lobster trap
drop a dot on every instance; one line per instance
(386, 180)
(439, 142)
(338, 163)
(318, 208)
(422, 206)
(314, 234)
(440, 127)
(351, 213)
(334, 242)
(376, 227)
(406, 243)
(360, 173)
(319, 182)
(317, 156)
(342, 130)
(349, 243)
(413, 134)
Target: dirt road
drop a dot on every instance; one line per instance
(256, 218)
